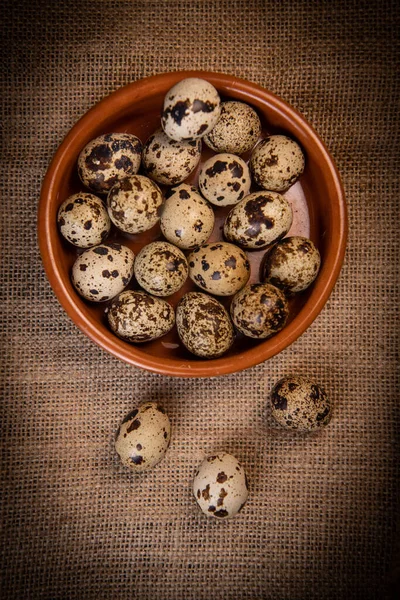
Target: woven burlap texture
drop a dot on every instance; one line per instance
(321, 517)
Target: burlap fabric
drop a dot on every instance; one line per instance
(321, 519)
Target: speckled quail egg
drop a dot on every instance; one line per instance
(220, 486)
(258, 220)
(83, 220)
(168, 161)
(107, 159)
(134, 204)
(219, 268)
(191, 109)
(276, 163)
(102, 272)
(143, 437)
(259, 310)
(161, 268)
(224, 179)
(299, 403)
(136, 316)
(237, 130)
(292, 264)
(187, 220)
(203, 325)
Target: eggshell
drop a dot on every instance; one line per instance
(224, 179)
(220, 486)
(299, 403)
(170, 162)
(134, 204)
(83, 220)
(107, 159)
(276, 163)
(161, 268)
(136, 316)
(237, 129)
(258, 220)
(102, 272)
(187, 220)
(191, 109)
(259, 310)
(143, 437)
(292, 264)
(219, 268)
(203, 325)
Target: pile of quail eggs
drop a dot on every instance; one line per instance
(260, 217)
(117, 195)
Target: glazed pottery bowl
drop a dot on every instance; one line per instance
(317, 200)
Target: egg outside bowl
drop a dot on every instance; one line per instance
(317, 200)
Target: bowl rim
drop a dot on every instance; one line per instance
(48, 233)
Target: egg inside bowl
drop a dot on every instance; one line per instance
(317, 201)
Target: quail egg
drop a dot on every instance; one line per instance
(83, 220)
(107, 159)
(220, 486)
(224, 179)
(258, 220)
(168, 161)
(259, 310)
(219, 268)
(187, 220)
(191, 109)
(292, 264)
(102, 272)
(134, 204)
(299, 403)
(237, 130)
(203, 325)
(136, 316)
(161, 268)
(143, 437)
(276, 163)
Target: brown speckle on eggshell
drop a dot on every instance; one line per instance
(224, 179)
(102, 272)
(161, 268)
(220, 486)
(276, 163)
(187, 220)
(107, 159)
(136, 316)
(258, 220)
(259, 310)
(134, 204)
(219, 268)
(292, 264)
(168, 161)
(299, 403)
(191, 109)
(203, 325)
(83, 220)
(143, 437)
(237, 129)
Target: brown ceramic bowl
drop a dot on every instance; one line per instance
(317, 200)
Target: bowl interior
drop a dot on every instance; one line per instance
(316, 199)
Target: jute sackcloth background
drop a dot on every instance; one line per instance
(321, 518)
